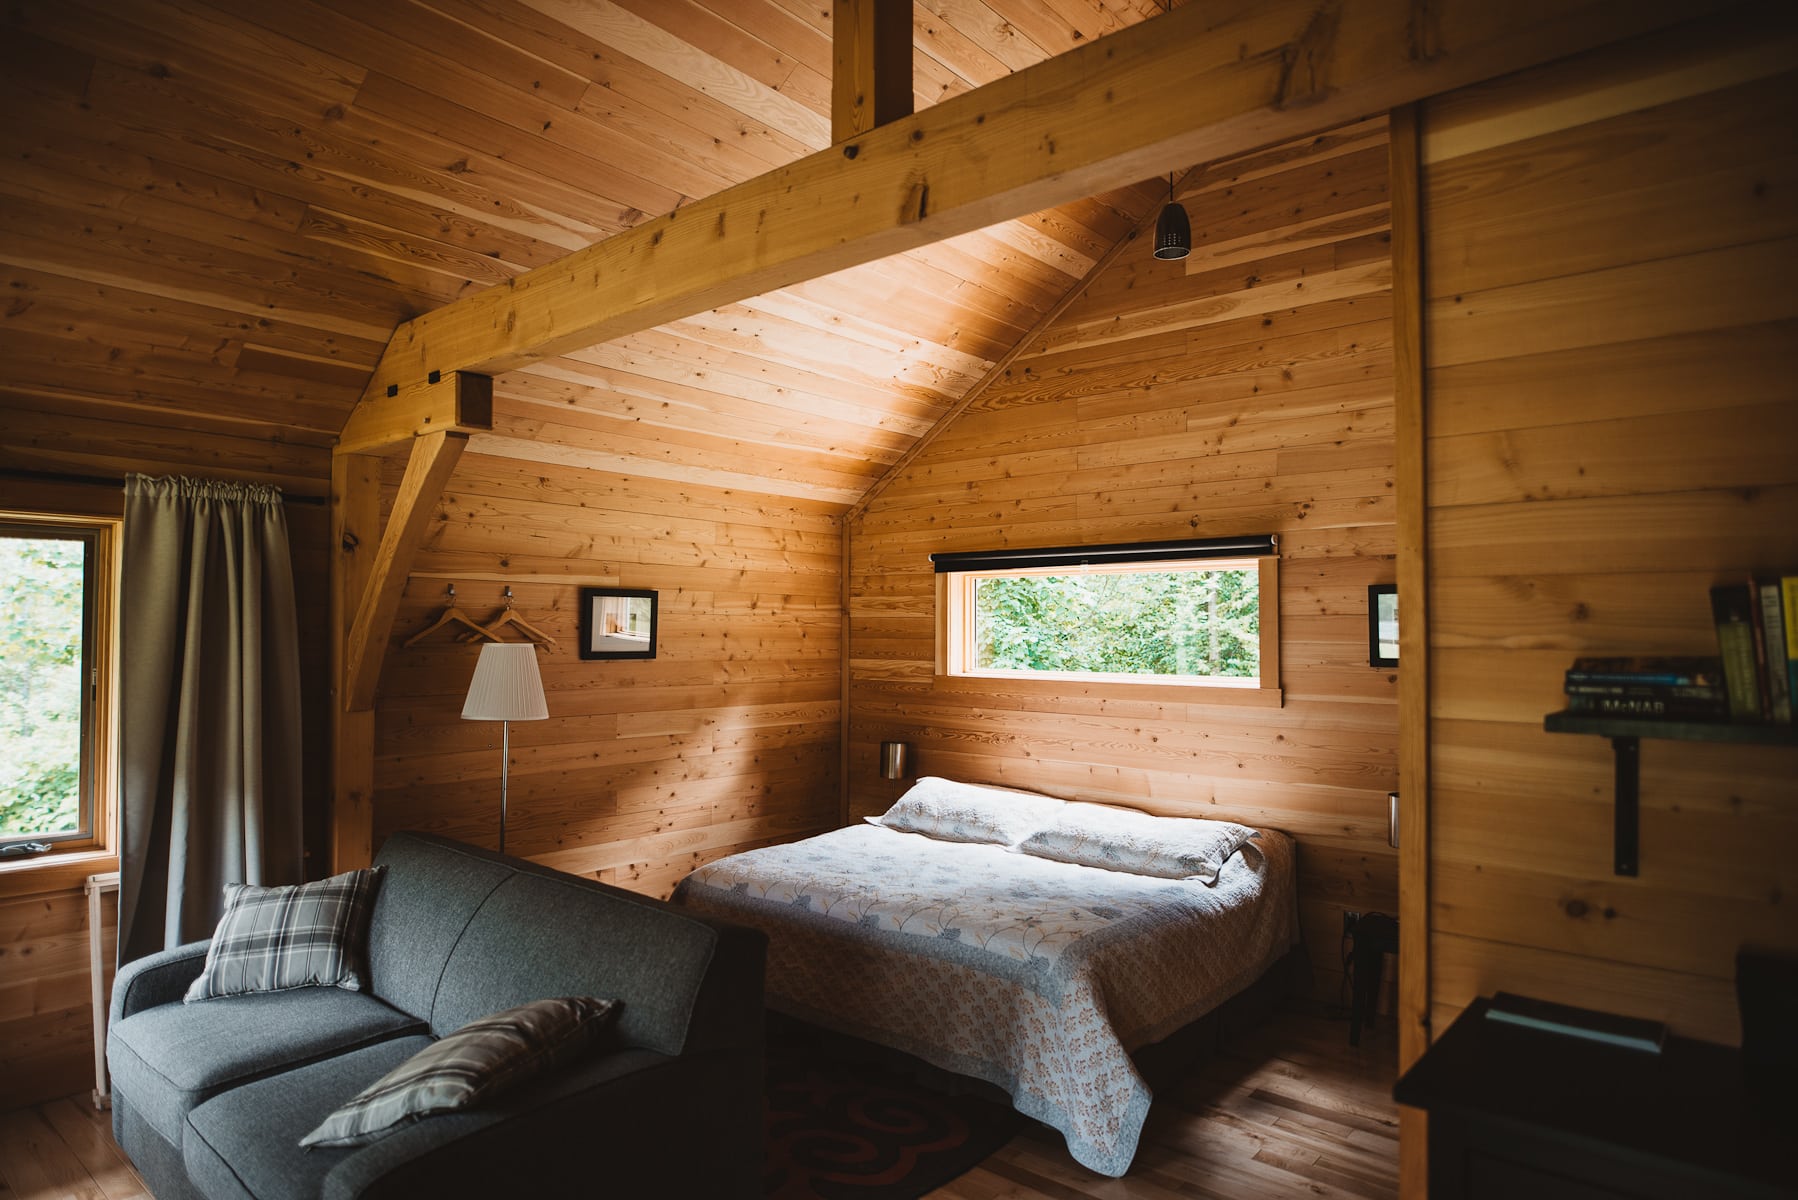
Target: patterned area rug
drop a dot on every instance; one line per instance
(839, 1130)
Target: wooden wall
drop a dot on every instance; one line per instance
(1610, 244)
(645, 769)
(46, 1005)
(1245, 390)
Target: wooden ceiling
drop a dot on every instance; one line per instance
(212, 217)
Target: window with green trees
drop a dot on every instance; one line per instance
(47, 622)
(1157, 622)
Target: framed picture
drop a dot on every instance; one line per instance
(618, 623)
(1382, 625)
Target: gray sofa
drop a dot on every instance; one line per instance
(211, 1099)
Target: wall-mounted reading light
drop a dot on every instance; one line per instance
(1173, 232)
(895, 760)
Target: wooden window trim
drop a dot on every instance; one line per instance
(71, 860)
(955, 646)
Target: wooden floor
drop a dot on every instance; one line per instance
(63, 1149)
(1286, 1109)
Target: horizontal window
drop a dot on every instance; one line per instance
(1195, 621)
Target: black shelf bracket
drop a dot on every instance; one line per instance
(1625, 836)
(1626, 734)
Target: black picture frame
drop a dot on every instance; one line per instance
(618, 623)
(1382, 624)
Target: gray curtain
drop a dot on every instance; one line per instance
(209, 717)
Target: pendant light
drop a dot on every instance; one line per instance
(1173, 232)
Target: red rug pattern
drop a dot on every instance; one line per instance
(852, 1131)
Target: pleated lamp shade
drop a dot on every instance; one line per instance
(506, 685)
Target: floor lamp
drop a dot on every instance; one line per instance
(506, 688)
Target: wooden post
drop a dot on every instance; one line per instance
(871, 66)
(355, 537)
(1413, 590)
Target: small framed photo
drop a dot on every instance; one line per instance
(1382, 625)
(618, 623)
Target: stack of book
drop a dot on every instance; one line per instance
(1757, 631)
(1677, 689)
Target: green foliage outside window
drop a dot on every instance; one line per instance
(1192, 623)
(41, 592)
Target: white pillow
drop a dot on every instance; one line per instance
(968, 812)
(1122, 839)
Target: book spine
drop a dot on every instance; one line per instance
(1659, 690)
(1757, 622)
(1788, 587)
(1648, 706)
(1733, 613)
(1656, 678)
(1773, 626)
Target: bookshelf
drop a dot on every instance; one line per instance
(1626, 734)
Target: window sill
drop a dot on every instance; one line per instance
(1164, 693)
(54, 872)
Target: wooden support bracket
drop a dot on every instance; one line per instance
(433, 458)
(460, 401)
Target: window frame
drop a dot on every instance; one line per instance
(99, 733)
(955, 637)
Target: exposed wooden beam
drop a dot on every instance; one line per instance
(871, 65)
(1178, 89)
(355, 536)
(433, 457)
(458, 400)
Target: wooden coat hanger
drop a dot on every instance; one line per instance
(510, 617)
(451, 615)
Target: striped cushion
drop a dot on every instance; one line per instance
(274, 938)
(476, 1062)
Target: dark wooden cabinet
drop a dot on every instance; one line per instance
(1517, 1112)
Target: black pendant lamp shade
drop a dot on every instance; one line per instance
(1173, 232)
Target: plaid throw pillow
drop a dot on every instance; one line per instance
(478, 1061)
(274, 938)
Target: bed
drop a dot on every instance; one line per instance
(1013, 958)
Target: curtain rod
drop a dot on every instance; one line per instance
(1185, 549)
(115, 481)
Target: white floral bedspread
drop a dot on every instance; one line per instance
(1034, 975)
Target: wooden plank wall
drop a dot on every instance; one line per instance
(46, 1002)
(1246, 390)
(1610, 246)
(645, 769)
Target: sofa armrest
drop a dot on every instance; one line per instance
(156, 979)
(604, 1126)
(728, 1011)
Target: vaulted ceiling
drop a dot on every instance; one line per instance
(213, 216)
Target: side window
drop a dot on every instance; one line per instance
(54, 640)
(1092, 614)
